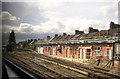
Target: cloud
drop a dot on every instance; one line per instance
(7, 16)
(65, 17)
(110, 11)
(57, 25)
(25, 28)
(119, 12)
(26, 13)
(57, 0)
(16, 8)
(57, 16)
(8, 19)
(8, 28)
(46, 4)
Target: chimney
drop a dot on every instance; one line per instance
(111, 25)
(64, 34)
(48, 37)
(90, 29)
(56, 35)
(76, 31)
(79, 32)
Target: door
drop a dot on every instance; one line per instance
(84, 54)
(81, 53)
(38, 49)
(41, 50)
(110, 54)
(67, 52)
(107, 53)
(53, 51)
(88, 53)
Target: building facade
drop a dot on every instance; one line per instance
(102, 45)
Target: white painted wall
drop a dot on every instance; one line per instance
(68, 51)
(110, 54)
(53, 51)
(80, 53)
(38, 50)
(117, 48)
(84, 53)
(41, 50)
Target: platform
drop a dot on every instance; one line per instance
(8, 73)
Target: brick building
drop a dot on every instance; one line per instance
(96, 44)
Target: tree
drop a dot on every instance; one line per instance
(25, 45)
(11, 42)
(12, 37)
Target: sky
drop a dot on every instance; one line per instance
(39, 18)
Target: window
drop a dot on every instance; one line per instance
(117, 57)
(98, 48)
(59, 50)
(88, 50)
(45, 48)
(56, 51)
(79, 53)
(67, 52)
(97, 51)
(63, 47)
(88, 53)
(48, 49)
(108, 53)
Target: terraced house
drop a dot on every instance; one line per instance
(103, 44)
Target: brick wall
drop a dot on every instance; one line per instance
(79, 51)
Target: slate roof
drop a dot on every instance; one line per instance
(103, 32)
(100, 34)
(75, 36)
(68, 37)
(63, 38)
(82, 36)
(91, 35)
(55, 38)
(113, 31)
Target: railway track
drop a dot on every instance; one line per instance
(50, 69)
(22, 72)
(39, 69)
(93, 72)
(87, 71)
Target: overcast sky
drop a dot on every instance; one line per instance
(36, 19)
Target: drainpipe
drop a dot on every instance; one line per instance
(113, 54)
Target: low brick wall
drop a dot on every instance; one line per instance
(116, 65)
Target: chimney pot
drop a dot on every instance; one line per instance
(56, 35)
(64, 34)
